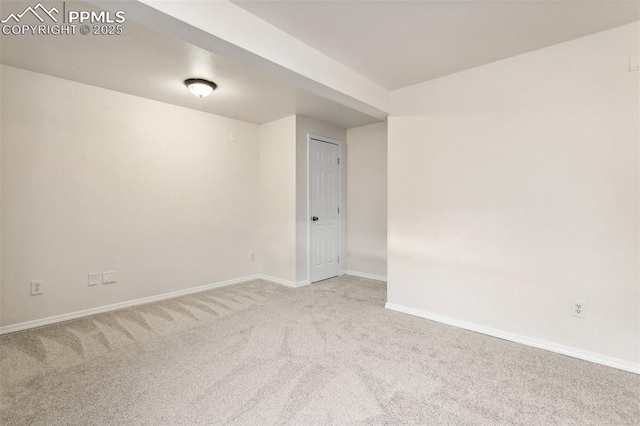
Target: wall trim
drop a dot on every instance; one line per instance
(365, 275)
(135, 302)
(120, 305)
(303, 283)
(620, 364)
(285, 283)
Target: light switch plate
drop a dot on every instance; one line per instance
(109, 277)
(94, 278)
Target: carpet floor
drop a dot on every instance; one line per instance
(258, 353)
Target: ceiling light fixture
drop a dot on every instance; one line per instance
(200, 87)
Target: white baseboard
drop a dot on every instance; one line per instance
(285, 283)
(303, 283)
(108, 308)
(114, 307)
(365, 275)
(525, 340)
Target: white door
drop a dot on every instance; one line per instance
(324, 212)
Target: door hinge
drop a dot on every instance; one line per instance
(338, 160)
(338, 210)
(338, 259)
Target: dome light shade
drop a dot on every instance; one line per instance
(200, 87)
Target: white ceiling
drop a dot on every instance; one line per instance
(150, 64)
(393, 43)
(400, 43)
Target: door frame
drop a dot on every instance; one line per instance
(324, 139)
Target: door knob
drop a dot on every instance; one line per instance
(314, 218)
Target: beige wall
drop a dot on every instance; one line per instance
(305, 125)
(95, 180)
(367, 200)
(277, 256)
(513, 189)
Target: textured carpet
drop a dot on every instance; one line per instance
(259, 353)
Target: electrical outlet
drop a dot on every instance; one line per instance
(109, 277)
(579, 309)
(94, 278)
(37, 287)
